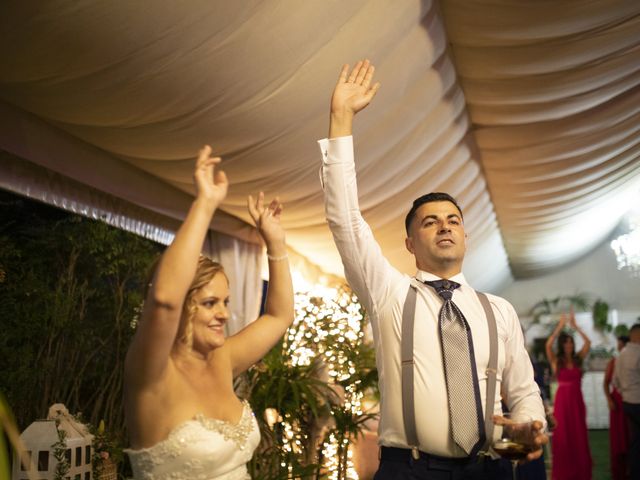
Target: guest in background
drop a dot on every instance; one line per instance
(618, 428)
(626, 378)
(571, 456)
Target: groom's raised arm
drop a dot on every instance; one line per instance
(367, 271)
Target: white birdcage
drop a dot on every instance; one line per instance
(38, 460)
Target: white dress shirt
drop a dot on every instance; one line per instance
(382, 291)
(626, 373)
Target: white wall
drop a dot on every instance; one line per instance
(596, 275)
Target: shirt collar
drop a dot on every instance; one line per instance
(423, 276)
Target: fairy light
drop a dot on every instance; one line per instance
(353, 399)
(325, 316)
(328, 325)
(331, 451)
(292, 438)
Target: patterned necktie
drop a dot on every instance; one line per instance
(461, 377)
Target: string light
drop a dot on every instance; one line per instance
(325, 316)
(328, 324)
(331, 450)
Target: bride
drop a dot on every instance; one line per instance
(183, 417)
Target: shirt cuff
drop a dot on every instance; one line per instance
(336, 150)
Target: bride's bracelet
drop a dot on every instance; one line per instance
(277, 259)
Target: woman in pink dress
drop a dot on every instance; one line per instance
(571, 456)
(618, 426)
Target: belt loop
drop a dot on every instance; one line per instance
(415, 453)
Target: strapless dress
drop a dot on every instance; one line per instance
(200, 449)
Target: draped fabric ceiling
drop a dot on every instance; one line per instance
(527, 112)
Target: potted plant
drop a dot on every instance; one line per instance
(601, 316)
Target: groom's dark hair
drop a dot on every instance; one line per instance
(429, 197)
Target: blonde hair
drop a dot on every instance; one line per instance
(207, 269)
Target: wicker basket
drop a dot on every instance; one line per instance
(108, 470)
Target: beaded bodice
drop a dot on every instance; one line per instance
(200, 449)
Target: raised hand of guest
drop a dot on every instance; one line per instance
(572, 319)
(563, 321)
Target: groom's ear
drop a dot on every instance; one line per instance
(408, 243)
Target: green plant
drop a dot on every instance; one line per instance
(9, 428)
(60, 454)
(313, 382)
(70, 289)
(299, 396)
(105, 447)
(349, 420)
(7, 424)
(561, 303)
(601, 316)
(621, 330)
(600, 351)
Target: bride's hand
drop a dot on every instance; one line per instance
(211, 184)
(267, 220)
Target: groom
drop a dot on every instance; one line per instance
(433, 425)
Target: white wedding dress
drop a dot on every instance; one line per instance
(200, 449)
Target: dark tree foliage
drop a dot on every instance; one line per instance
(70, 290)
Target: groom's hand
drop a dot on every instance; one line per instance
(352, 93)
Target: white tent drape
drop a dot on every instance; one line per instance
(527, 112)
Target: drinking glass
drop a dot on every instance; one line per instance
(517, 439)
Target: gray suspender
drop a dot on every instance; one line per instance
(408, 406)
(492, 370)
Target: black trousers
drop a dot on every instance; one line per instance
(398, 464)
(632, 412)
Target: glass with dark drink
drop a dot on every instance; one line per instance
(517, 439)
